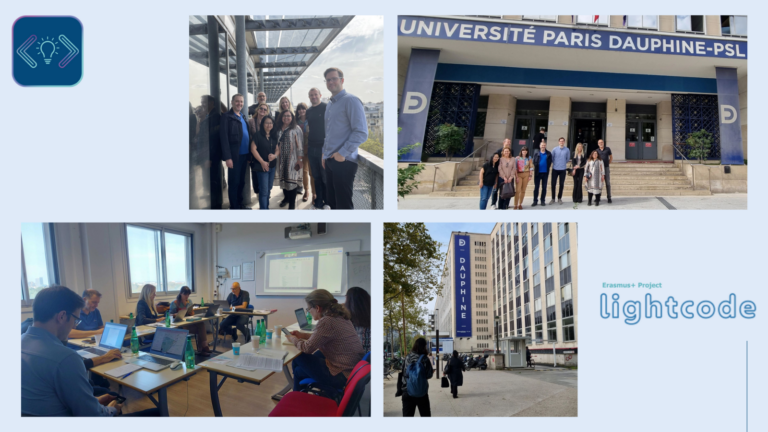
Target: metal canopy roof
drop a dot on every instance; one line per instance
(281, 47)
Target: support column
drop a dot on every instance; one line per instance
(499, 122)
(217, 175)
(664, 137)
(731, 150)
(242, 88)
(417, 93)
(559, 120)
(615, 135)
(261, 80)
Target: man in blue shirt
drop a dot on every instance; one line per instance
(53, 377)
(345, 129)
(233, 133)
(560, 157)
(90, 317)
(542, 162)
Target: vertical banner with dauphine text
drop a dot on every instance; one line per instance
(417, 92)
(463, 286)
(731, 150)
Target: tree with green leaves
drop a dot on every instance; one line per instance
(373, 144)
(411, 275)
(405, 176)
(449, 139)
(700, 142)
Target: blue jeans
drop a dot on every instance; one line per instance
(313, 366)
(540, 178)
(266, 179)
(485, 195)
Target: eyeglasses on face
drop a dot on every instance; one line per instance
(262, 109)
(77, 320)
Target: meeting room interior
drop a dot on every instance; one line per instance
(195, 319)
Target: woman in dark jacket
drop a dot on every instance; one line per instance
(410, 403)
(578, 162)
(454, 372)
(145, 308)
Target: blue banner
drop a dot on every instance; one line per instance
(731, 149)
(567, 37)
(417, 92)
(463, 286)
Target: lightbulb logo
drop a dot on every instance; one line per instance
(57, 40)
(47, 49)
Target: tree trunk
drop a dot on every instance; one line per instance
(402, 305)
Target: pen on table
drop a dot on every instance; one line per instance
(127, 375)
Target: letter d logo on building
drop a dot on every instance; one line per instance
(462, 242)
(415, 103)
(728, 114)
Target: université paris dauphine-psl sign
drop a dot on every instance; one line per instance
(463, 286)
(594, 39)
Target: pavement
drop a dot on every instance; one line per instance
(275, 197)
(489, 393)
(712, 202)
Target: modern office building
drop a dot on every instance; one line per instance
(535, 290)
(464, 309)
(643, 83)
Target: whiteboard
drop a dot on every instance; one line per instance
(359, 271)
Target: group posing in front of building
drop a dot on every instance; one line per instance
(505, 176)
(313, 146)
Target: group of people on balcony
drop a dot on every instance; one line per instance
(313, 146)
(505, 176)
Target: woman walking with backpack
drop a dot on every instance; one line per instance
(454, 371)
(415, 384)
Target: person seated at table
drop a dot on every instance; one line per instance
(90, 317)
(329, 353)
(198, 328)
(239, 299)
(145, 308)
(54, 381)
(358, 304)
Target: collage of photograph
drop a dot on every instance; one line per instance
(418, 305)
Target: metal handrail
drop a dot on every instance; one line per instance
(683, 161)
(455, 180)
(674, 146)
(434, 176)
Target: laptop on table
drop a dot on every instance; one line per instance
(211, 311)
(168, 347)
(111, 338)
(179, 317)
(301, 318)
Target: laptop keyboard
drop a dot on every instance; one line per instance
(149, 358)
(94, 351)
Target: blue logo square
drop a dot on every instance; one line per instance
(47, 51)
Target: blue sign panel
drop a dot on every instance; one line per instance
(463, 286)
(47, 51)
(417, 92)
(731, 150)
(593, 39)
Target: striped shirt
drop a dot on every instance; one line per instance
(337, 339)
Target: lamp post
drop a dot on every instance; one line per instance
(437, 342)
(496, 321)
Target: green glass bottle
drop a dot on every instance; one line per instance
(263, 333)
(309, 318)
(202, 302)
(189, 355)
(112, 321)
(134, 341)
(130, 315)
(168, 318)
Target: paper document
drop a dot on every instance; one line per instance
(220, 360)
(266, 359)
(160, 324)
(121, 371)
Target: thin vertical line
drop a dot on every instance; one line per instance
(747, 386)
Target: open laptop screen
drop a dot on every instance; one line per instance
(301, 317)
(113, 335)
(169, 342)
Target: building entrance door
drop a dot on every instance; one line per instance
(525, 129)
(586, 132)
(641, 140)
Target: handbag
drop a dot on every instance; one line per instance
(444, 382)
(399, 391)
(587, 174)
(508, 191)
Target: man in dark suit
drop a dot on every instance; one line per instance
(539, 137)
(235, 139)
(542, 162)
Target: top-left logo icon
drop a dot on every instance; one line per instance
(47, 51)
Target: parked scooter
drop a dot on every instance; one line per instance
(470, 363)
(481, 362)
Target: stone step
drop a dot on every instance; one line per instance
(615, 181)
(615, 192)
(569, 188)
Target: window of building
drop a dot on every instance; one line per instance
(690, 23)
(527, 309)
(569, 330)
(539, 333)
(482, 112)
(733, 25)
(548, 18)
(562, 229)
(537, 305)
(547, 242)
(565, 260)
(39, 266)
(534, 228)
(566, 293)
(548, 271)
(550, 298)
(648, 22)
(601, 20)
(159, 257)
(552, 331)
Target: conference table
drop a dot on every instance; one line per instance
(256, 376)
(148, 330)
(252, 313)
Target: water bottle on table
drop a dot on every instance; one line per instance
(134, 341)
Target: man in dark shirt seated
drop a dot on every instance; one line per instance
(238, 299)
(53, 376)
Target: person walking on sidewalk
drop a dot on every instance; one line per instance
(455, 373)
(560, 156)
(418, 358)
(607, 157)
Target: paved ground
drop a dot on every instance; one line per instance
(713, 202)
(527, 393)
(276, 195)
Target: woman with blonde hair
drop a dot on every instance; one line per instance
(524, 168)
(329, 353)
(145, 308)
(285, 105)
(254, 123)
(578, 162)
(594, 173)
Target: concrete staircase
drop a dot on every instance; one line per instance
(627, 179)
